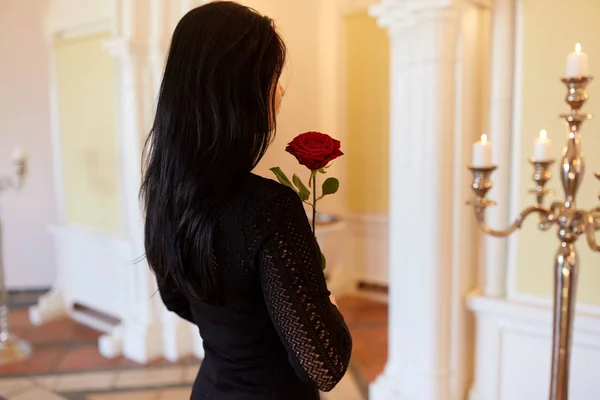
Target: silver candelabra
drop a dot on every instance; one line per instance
(12, 349)
(571, 223)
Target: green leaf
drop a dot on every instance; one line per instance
(282, 178)
(302, 189)
(323, 261)
(322, 170)
(330, 186)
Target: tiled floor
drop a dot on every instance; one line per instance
(66, 364)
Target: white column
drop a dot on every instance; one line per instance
(503, 20)
(140, 332)
(501, 120)
(145, 31)
(422, 195)
(471, 115)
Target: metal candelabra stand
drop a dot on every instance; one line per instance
(571, 223)
(12, 349)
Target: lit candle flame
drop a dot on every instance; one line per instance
(484, 138)
(543, 134)
(578, 48)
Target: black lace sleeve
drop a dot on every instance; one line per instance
(312, 329)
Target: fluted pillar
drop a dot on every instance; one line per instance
(143, 30)
(487, 378)
(500, 132)
(139, 335)
(427, 216)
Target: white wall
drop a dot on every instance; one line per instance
(24, 119)
(297, 24)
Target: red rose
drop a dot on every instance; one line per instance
(314, 150)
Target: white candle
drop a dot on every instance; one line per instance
(542, 147)
(18, 155)
(482, 153)
(577, 63)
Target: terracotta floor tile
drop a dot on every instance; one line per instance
(20, 331)
(367, 321)
(370, 351)
(62, 331)
(190, 373)
(8, 387)
(19, 318)
(37, 394)
(66, 346)
(361, 311)
(150, 377)
(88, 358)
(43, 360)
(86, 381)
(46, 381)
(83, 333)
(190, 360)
(176, 394)
(161, 362)
(132, 395)
(125, 363)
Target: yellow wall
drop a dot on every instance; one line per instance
(548, 36)
(367, 68)
(87, 96)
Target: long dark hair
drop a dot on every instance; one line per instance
(214, 121)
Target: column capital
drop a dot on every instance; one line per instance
(391, 13)
(395, 13)
(485, 4)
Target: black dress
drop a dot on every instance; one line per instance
(276, 334)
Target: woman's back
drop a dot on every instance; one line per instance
(232, 252)
(272, 333)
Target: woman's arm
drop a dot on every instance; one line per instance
(174, 300)
(312, 329)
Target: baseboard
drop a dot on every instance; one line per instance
(372, 291)
(94, 319)
(22, 298)
(28, 291)
(373, 287)
(91, 321)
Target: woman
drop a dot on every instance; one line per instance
(233, 252)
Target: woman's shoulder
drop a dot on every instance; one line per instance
(269, 205)
(269, 195)
(264, 188)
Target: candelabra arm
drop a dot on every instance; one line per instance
(480, 215)
(593, 224)
(595, 218)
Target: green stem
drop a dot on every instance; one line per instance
(314, 204)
